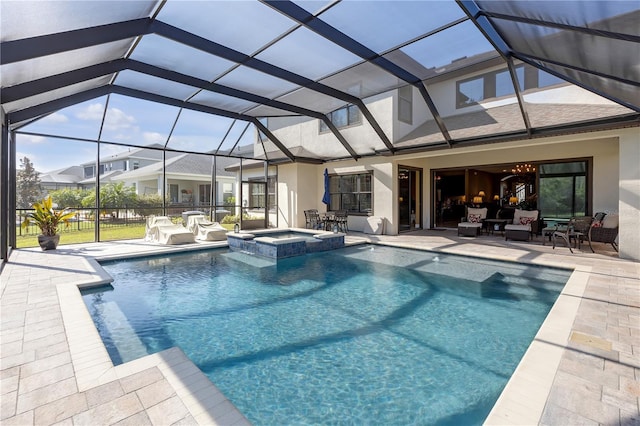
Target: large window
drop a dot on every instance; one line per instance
(257, 194)
(272, 182)
(563, 189)
(343, 117)
(351, 192)
(498, 83)
(204, 193)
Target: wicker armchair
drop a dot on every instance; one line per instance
(604, 235)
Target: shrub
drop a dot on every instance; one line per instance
(234, 218)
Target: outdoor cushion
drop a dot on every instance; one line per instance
(524, 220)
(524, 213)
(476, 211)
(474, 218)
(610, 221)
(512, 227)
(470, 225)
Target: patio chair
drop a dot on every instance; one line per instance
(471, 225)
(523, 226)
(312, 219)
(577, 230)
(160, 229)
(340, 220)
(604, 230)
(205, 230)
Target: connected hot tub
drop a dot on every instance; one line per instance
(278, 243)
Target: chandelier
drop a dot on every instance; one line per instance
(519, 169)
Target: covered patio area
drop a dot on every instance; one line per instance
(582, 367)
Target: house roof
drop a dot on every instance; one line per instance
(186, 164)
(507, 120)
(247, 61)
(151, 152)
(104, 178)
(71, 174)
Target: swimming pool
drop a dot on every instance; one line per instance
(361, 335)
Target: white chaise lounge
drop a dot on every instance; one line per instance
(160, 229)
(205, 230)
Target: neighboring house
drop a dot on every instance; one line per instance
(132, 159)
(108, 177)
(68, 177)
(188, 179)
(188, 176)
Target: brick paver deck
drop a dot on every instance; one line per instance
(582, 368)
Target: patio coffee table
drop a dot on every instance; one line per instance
(495, 225)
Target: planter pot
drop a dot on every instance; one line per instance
(48, 242)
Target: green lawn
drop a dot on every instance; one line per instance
(129, 232)
(110, 233)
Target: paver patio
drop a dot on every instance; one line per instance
(582, 368)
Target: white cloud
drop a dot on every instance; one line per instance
(117, 120)
(91, 112)
(153, 137)
(31, 139)
(56, 118)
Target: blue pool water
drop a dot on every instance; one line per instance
(360, 335)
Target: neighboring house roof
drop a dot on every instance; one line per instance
(104, 178)
(191, 164)
(246, 164)
(508, 118)
(299, 151)
(145, 153)
(71, 174)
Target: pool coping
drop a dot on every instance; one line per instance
(522, 400)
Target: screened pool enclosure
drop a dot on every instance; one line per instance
(88, 87)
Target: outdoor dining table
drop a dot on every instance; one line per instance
(328, 219)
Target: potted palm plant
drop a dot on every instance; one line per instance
(48, 220)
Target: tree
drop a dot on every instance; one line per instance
(68, 197)
(113, 196)
(28, 188)
(149, 205)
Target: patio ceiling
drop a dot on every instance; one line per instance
(247, 61)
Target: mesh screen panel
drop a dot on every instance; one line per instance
(53, 95)
(220, 101)
(306, 53)
(32, 69)
(245, 26)
(168, 54)
(58, 16)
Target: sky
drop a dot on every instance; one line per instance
(129, 121)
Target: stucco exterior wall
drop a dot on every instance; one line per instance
(604, 151)
(298, 190)
(615, 171)
(629, 205)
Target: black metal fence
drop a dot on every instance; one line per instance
(85, 219)
(119, 217)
